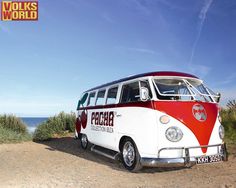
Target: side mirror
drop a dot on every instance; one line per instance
(144, 94)
(82, 100)
(218, 96)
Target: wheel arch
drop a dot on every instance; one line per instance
(122, 139)
(136, 164)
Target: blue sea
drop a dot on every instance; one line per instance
(33, 122)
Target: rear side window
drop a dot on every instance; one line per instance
(101, 97)
(111, 95)
(130, 93)
(91, 99)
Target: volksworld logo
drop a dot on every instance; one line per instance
(19, 10)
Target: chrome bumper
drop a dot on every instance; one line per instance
(186, 161)
(168, 162)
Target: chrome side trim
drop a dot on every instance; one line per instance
(102, 151)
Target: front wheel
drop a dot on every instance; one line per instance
(84, 141)
(130, 155)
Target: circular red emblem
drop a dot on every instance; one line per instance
(199, 112)
(81, 121)
(84, 119)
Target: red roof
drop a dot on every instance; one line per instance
(168, 73)
(161, 73)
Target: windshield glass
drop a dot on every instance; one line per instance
(200, 91)
(181, 90)
(172, 89)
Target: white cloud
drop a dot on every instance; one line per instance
(36, 105)
(137, 50)
(35, 109)
(199, 70)
(202, 17)
(227, 80)
(171, 4)
(107, 17)
(139, 5)
(204, 10)
(142, 50)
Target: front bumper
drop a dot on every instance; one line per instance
(186, 161)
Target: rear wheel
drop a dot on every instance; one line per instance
(130, 155)
(84, 141)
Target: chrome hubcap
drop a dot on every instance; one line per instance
(84, 140)
(128, 153)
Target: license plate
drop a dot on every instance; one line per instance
(209, 159)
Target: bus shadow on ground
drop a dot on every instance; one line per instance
(72, 146)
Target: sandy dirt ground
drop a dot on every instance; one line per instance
(62, 163)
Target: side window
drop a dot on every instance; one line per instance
(82, 101)
(101, 97)
(111, 96)
(91, 99)
(130, 93)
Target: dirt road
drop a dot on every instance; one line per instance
(62, 163)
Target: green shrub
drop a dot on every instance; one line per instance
(43, 132)
(10, 136)
(229, 122)
(12, 129)
(55, 126)
(13, 123)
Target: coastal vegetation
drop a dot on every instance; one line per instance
(228, 116)
(13, 130)
(58, 125)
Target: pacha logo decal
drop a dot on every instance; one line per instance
(102, 121)
(199, 112)
(19, 11)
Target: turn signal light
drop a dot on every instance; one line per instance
(164, 119)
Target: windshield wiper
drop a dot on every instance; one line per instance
(194, 88)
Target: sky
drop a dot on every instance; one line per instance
(45, 65)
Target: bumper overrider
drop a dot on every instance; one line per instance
(186, 161)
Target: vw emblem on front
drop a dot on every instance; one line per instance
(199, 112)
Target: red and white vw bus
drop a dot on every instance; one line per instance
(159, 119)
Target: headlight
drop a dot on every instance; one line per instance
(174, 134)
(164, 119)
(220, 119)
(221, 132)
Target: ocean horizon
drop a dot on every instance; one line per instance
(33, 122)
